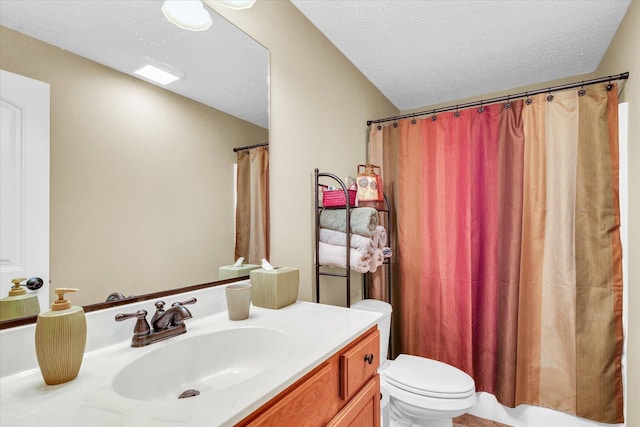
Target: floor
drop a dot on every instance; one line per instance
(467, 420)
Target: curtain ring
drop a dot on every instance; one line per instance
(549, 97)
(379, 127)
(508, 104)
(528, 101)
(481, 109)
(395, 123)
(582, 92)
(413, 119)
(457, 113)
(609, 86)
(434, 118)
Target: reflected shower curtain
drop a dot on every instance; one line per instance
(516, 277)
(252, 206)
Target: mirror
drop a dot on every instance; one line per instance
(142, 178)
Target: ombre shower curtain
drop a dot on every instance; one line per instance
(516, 276)
(252, 205)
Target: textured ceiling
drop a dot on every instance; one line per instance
(421, 53)
(224, 67)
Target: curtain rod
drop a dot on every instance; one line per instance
(249, 147)
(623, 76)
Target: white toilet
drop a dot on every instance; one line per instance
(422, 392)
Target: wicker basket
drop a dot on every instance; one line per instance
(335, 198)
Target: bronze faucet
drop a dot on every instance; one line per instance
(166, 324)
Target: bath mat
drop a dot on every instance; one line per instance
(467, 420)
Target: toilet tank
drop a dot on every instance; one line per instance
(384, 323)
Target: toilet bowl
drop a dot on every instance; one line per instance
(422, 392)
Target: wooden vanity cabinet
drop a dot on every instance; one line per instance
(342, 391)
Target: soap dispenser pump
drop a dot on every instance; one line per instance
(61, 335)
(18, 303)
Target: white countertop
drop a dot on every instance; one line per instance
(316, 332)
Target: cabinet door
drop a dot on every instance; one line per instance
(359, 364)
(311, 404)
(363, 410)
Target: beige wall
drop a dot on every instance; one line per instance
(624, 55)
(320, 104)
(141, 178)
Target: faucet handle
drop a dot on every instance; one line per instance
(140, 314)
(189, 301)
(142, 326)
(159, 312)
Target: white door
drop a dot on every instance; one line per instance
(24, 182)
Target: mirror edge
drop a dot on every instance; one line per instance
(6, 324)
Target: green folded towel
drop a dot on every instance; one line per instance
(363, 220)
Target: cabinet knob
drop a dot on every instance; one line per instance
(369, 358)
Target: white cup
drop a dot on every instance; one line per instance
(238, 300)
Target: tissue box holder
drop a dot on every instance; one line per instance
(230, 272)
(274, 288)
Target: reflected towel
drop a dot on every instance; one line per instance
(362, 244)
(363, 220)
(336, 256)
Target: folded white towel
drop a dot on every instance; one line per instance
(362, 244)
(336, 256)
(377, 258)
(379, 237)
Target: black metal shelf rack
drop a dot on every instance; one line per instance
(347, 208)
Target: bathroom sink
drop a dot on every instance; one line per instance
(202, 363)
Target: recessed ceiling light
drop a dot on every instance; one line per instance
(157, 74)
(187, 14)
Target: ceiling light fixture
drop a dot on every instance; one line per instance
(236, 4)
(187, 14)
(158, 72)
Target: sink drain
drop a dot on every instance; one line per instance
(189, 393)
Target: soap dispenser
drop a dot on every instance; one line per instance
(19, 303)
(61, 335)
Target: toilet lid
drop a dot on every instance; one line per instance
(429, 377)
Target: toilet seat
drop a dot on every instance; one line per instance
(428, 378)
(420, 391)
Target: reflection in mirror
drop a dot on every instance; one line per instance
(142, 177)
